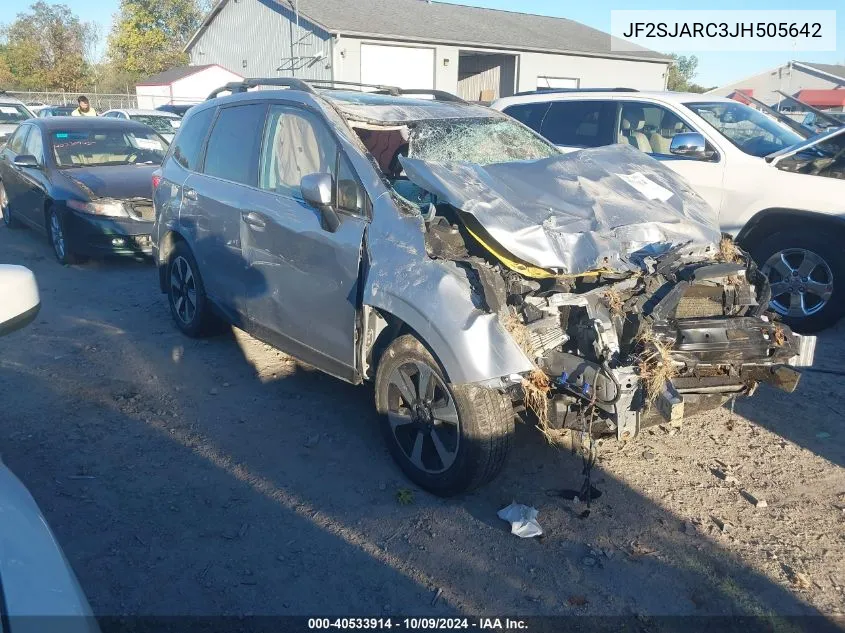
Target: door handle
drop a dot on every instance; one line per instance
(254, 220)
(190, 194)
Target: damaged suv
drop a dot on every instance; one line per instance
(463, 265)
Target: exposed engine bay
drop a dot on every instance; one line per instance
(613, 278)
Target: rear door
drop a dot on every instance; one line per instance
(303, 284)
(214, 198)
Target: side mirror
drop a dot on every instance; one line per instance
(26, 160)
(21, 301)
(690, 145)
(318, 191)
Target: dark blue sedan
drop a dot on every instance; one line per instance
(85, 182)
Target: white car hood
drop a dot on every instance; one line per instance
(778, 156)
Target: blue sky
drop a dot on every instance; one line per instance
(713, 68)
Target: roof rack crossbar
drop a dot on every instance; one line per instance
(242, 86)
(391, 90)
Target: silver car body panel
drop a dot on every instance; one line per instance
(36, 578)
(597, 208)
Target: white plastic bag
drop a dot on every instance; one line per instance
(523, 520)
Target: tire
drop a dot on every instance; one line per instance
(805, 302)
(8, 219)
(475, 433)
(185, 289)
(56, 236)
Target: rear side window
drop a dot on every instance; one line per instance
(580, 123)
(188, 146)
(235, 143)
(531, 114)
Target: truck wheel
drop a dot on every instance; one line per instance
(807, 273)
(189, 305)
(446, 438)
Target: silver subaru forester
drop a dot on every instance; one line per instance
(460, 263)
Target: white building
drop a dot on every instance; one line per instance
(479, 54)
(185, 84)
(819, 85)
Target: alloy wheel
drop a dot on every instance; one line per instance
(801, 281)
(183, 290)
(423, 417)
(57, 237)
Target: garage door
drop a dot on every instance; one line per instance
(401, 66)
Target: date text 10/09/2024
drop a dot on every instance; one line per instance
(418, 624)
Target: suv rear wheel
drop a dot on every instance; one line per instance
(446, 438)
(807, 274)
(189, 305)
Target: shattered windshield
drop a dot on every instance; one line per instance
(751, 131)
(480, 141)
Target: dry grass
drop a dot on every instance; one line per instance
(516, 328)
(655, 364)
(778, 335)
(536, 390)
(614, 303)
(728, 251)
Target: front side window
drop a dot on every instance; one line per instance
(234, 144)
(97, 148)
(16, 143)
(187, 147)
(650, 127)
(751, 131)
(579, 123)
(34, 146)
(296, 144)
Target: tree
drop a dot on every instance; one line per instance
(148, 36)
(48, 48)
(682, 71)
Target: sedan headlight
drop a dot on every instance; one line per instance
(103, 206)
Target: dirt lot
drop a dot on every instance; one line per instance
(221, 477)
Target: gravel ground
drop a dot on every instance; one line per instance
(222, 477)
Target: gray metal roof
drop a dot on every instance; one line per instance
(423, 21)
(837, 70)
(174, 74)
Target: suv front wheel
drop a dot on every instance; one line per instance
(446, 438)
(807, 275)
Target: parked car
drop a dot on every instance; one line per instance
(176, 108)
(819, 124)
(35, 577)
(84, 182)
(165, 123)
(782, 198)
(458, 261)
(56, 110)
(12, 113)
(35, 106)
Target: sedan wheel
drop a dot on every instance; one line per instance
(58, 240)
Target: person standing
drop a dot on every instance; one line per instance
(84, 108)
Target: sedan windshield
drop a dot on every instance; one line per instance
(11, 113)
(161, 124)
(751, 131)
(88, 148)
(481, 141)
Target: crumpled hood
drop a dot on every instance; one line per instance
(114, 181)
(595, 208)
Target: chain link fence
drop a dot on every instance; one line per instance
(100, 102)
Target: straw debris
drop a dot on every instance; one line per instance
(729, 251)
(614, 303)
(536, 388)
(655, 365)
(778, 335)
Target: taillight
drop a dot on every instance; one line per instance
(156, 180)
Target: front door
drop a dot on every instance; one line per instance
(651, 127)
(304, 279)
(32, 181)
(11, 173)
(213, 201)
